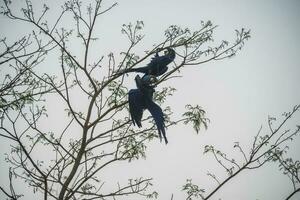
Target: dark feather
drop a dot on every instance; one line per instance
(157, 66)
(158, 117)
(136, 106)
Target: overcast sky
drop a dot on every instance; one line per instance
(238, 94)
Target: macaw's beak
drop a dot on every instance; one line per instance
(149, 80)
(152, 80)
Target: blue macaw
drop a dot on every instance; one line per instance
(158, 64)
(141, 99)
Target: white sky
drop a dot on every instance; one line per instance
(238, 94)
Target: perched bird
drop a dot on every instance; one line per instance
(141, 99)
(157, 66)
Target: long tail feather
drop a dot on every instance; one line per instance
(158, 117)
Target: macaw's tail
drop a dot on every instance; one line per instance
(158, 117)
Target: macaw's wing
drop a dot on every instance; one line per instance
(136, 106)
(155, 61)
(158, 65)
(163, 60)
(158, 117)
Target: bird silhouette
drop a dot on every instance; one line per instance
(157, 66)
(141, 99)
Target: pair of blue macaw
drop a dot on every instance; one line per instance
(142, 97)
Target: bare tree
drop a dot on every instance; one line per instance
(72, 170)
(19, 84)
(265, 148)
